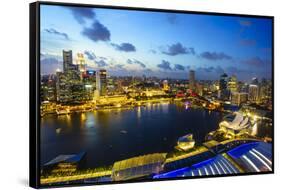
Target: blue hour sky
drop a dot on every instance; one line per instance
(166, 45)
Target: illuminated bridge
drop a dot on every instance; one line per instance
(245, 158)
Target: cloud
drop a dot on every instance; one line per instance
(209, 69)
(165, 65)
(98, 60)
(245, 23)
(233, 70)
(54, 31)
(50, 65)
(219, 70)
(126, 47)
(134, 61)
(257, 61)
(179, 67)
(101, 63)
(50, 61)
(214, 56)
(205, 69)
(97, 32)
(90, 55)
(81, 13)
(177, 49)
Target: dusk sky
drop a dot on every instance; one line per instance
(165, 45)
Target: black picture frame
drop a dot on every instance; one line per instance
(34, 90)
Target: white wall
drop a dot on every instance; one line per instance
(14, 93)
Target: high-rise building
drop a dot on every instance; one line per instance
(89, 81)
(48, 88)
(63, 88)
(192, 82)
(223, 91)
(265, 89)
(67, 60)
(69, 86)
(238, 98)
(253, 93)
(232, 84)
(80, 61)
(101, 83)
(199, 89)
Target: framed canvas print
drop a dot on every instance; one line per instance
(121, 94)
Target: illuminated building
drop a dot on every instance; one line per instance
(223, 91)
(48, 88)
(265, 91)
(186, 142)
(153, 92)
(235, 124)
(116, 99)
(103, 82)
(98, 85)
(138, 167)
(238, 98)
(67, 60)
(166, 85)
(89, 81)
(69, 86)
(192, 82)
(80, 61)
(232, 84)
(199, 89)
(253, 93)
(63, 88)
(237, 156)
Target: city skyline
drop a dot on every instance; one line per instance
(165, 45)
(141, 95)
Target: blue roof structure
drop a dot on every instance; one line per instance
(254, 157)
(250, 157)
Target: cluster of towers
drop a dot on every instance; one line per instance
(230, 89)
(76, 84)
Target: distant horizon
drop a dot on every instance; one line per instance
(164, 45)
(165, 78)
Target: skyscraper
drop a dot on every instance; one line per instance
(80, 60)
(223, 91)
(67, 60)
(254, 90)
(192, 82)
(101, 83)
(238, 98)
(253, 93)
(232, 84)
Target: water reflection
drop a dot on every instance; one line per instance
(90, 121)
(139, 112)
(111, 135)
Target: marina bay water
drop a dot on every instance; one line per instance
(115, 134)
